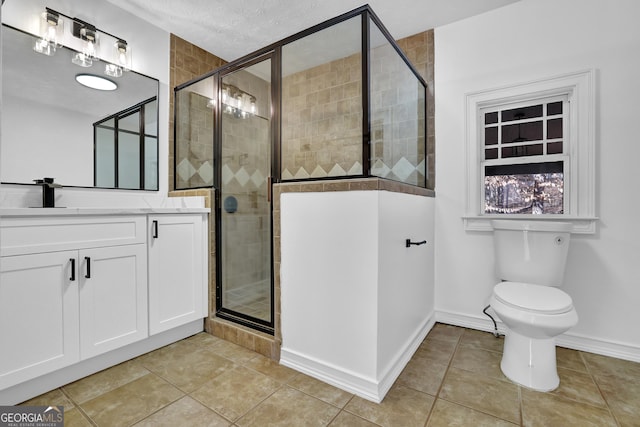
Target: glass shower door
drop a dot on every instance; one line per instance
(244, 290)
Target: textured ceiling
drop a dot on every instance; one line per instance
(231, 29)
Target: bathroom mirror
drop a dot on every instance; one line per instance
(49, 120)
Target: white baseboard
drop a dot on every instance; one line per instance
(568, 340)
(372, 389)
(37, 386)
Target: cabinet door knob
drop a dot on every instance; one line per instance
(88, 275)
(73, 269)
(155, 229)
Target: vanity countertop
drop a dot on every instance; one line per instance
(55, 212)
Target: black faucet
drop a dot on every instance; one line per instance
(48, 187)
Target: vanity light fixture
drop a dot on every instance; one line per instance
(96, 82)
(89, 36)
(237, 102)
(51, 32)
(122, 55)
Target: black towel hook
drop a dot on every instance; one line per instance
(409, 243)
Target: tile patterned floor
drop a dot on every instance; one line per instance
(454, 379)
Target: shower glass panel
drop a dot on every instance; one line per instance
(322, 103)
(397, 115)
(194, 128)
(245, 216)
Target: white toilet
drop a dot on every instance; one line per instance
(530, 259)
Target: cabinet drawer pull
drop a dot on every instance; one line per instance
(73, 269)
(88, 275)
(155, 229)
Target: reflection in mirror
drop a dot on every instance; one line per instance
(50, 121)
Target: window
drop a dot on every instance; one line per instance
(524, 157)
(530, 153)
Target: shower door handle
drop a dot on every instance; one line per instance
(269, 183)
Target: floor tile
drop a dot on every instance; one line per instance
(53, 398)
(235, 392)
(104, 381)
(479, 361)
(289, 407)
(483, 340)
(578, 386)
(570, 359)
(402, 406)
(447, 414)
(443, 332)
(623, 397)
(233, 351)
(437, 351)
(603, 365)
(182, 412)
(345, 419)
(74, 418)
(187, 366)
(423, 375)
(485, 394)
(271, 368)
(132, 402)
(545, 409)
(320, 390)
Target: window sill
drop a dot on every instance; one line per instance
(581, 225)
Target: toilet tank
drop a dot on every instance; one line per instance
(531, 251)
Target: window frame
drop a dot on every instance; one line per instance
(579, 173)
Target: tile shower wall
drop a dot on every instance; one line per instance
(322, 120)
(419, 50)
(195, 140)
(187, 62)
(322, 114)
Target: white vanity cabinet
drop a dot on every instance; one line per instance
(39, 318)
(177, 270)
(70, 288)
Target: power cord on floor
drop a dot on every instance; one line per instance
(495, 325)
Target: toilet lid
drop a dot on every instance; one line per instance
(543, 299)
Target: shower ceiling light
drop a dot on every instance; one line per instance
(96, 82)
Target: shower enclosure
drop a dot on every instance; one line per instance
(336, 101)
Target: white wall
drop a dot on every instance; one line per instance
(356, 302)
(529, 40)
(150, 46)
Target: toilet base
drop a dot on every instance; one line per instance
(530, 362)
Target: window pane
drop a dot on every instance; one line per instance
(491, 118)
(522, 151)
(520, 132)
(491, 153)
(554, 147)
(554, 108)
(534, 188)
(554, 128)
(490, 136)
(322, 103)
(522, 113)
(130, 122)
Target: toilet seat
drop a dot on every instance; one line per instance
(533, 298)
